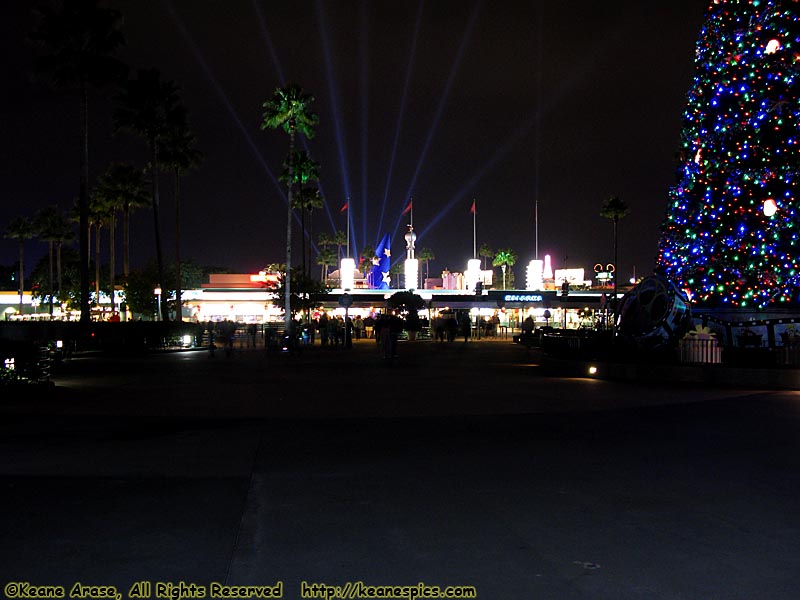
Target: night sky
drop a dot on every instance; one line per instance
(504, 102)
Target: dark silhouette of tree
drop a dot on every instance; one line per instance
(397, 269)
(120, 188)
(340, 241)
(128, 185)
(98, 218)
(485, 251)
(21, 229)
(79, 43)
(306, 198)
(53, 227)
(290, 109)
(427, 255)
(306, 291)
(149, 107)
(326, 258)
(365, 259)
(179, 154)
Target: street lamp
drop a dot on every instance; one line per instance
(157, 292)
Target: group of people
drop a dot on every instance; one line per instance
(336, 331)
(450, 326)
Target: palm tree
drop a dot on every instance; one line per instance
(614, 209)
(53, 228)
(98, 218)
(179, 154)
(308, 199)
(109, 206)
(397, 269)
(325, 258)
(127, 184)
(304, 170)
(120, 188)
(365, 259)
(340, 240)
(485, 252)
(80, 42)
(290, 109)
(20, 229)
(149, 108)
(427, 255)
(503, 259)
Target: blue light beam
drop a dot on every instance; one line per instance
(276, 63)
(224, 97)
(337, 121)
(364, 80)
(401, 115)
(440, 108)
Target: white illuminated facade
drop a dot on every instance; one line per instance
(411, 263)
(412, 273)
(347, 270)
(548, 267)
(473, 274)
(535, 275)
(571, 276)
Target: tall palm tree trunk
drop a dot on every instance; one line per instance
(126, 265)
(21, 272)
(157, 226)
(288, 287)
(303, 237)
(97, 265)
(112, 256)
(58, 270)
(83, 206)
(178, 302)
(310, 237)
(50, 280)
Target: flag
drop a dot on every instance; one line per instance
(407, 208)
(344, 208)
(472, 208)
(379, 276)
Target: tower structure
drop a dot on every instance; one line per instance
(411, 263)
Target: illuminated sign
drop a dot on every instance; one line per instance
(572, 276)
(523, 298)
(264, 277)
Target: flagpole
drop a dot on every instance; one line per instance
(348, 227)
(536, 222)
(474, 229)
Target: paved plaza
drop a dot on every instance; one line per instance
(451, 465)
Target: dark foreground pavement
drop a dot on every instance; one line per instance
(453, 466)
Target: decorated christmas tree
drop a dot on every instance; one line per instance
(731, 236)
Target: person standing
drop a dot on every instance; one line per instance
(323, 329)
(369, 325)
(358, 325)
